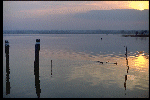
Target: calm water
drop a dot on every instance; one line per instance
(75, 72)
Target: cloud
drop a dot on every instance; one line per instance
(126, 19)
(72, 15)
(28, 9)
(115, 15)
(108, 5)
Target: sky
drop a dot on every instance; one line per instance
(75, 15)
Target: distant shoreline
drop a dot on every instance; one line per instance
(126, 33)
(135, 35)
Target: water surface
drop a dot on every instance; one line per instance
(75, 70)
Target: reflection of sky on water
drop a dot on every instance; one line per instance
(74, 67)
(85, 65)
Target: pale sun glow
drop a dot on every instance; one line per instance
(141, 62)
(139, 5)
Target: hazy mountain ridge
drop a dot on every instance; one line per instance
(72, 31)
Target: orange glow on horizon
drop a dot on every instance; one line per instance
(139, 5)
(67, 8)
(108, 5)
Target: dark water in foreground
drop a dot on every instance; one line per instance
(75, 72)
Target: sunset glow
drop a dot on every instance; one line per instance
(139, 5)
(71, 15)
(108, 5)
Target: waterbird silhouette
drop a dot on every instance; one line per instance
(115, 63)
(101, 62)
(97, 61)
(107, 62)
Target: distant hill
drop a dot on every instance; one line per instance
(72, 31)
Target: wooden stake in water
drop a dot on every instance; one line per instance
(36, 68)
(126, 52)
(51, 67)
(7, 67)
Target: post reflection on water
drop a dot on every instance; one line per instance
(77, 74)
(7, 67)
(36, 68)
(127, 69)
(140, 63)
(51, 68)
(84, 67)
(125, 82)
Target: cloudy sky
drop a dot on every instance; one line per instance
(75, 15)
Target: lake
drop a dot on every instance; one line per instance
(76, 69)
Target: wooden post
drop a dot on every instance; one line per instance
(7, 67)
(51, 67)
(126, 52)
(36, 68)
